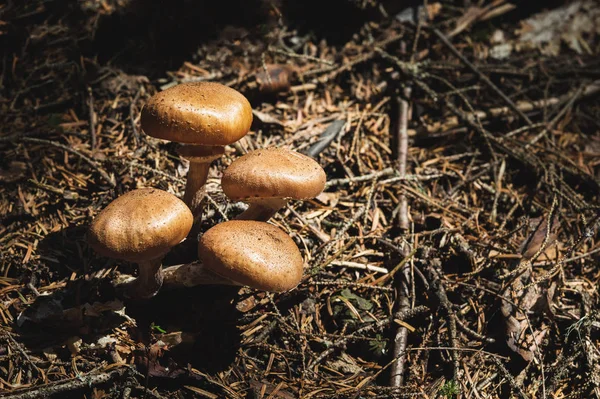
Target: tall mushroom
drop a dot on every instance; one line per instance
(141, 226)
(266, 179)
(205, 117)
(242, 252)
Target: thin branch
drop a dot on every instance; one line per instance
(481, 76)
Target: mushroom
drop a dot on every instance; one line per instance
(242, 252)
(266, 179)
(205, 116)
(141, 226)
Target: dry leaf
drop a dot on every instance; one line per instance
(540, 233)
(266, 118)
(521, 336)
(576, 24)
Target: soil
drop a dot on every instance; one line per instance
(452, 254)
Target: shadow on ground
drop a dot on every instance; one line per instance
(206, 315)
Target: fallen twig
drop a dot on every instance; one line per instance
(92, 119)
(484, 78)
(81, 382)
(433, 273)
(356, 265)
(405, 280)
(342, 342)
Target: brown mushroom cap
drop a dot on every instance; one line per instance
(273, 173)
(200, 113)
(140, 225)
(252, 253)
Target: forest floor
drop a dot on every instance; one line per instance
(453, 254)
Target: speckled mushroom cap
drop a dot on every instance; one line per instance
(273, 173)
(141, 225)
(252, 253)
(198, 113)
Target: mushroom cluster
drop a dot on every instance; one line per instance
(205, 117)
(143, 225)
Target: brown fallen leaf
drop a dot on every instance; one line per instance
(534, 243)
(521, 298)
(148, 361)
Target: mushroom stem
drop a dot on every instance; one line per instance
(192, 274)
(262, 210)
(194, 187)
(200, 157)
(148, 282)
